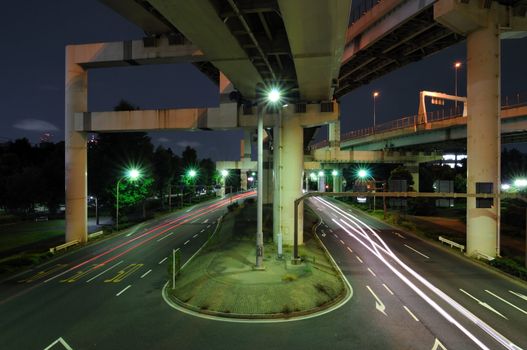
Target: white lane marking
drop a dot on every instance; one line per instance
(505, 301)
(378, 250)
(378, 303)
(162, 261)
(351, 251)
(411, 313)
(330, 230)
(418, 252)
(166, 236)
(323, 235)
(61, 341)
(194, 221)
(202, 231)
(485, 305)
(519, 295)
(108, 269)
(196, 235)
(336, 236)
(208, 226)
(323, 232)
(399, 235)
(205, 221)
(388, 289)
(186, 242)
(438, 346)
(189, 209)
(341, 241)
(373, 273)
(122, 291)
(146, 273)
(359, 259)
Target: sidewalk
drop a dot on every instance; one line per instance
(221, 280)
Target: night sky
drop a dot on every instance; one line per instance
(32, 78)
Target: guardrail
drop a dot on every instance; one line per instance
(480, 255)
(95, 234)
(452, 244)
(63, 246)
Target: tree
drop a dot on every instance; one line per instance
(402, 173)
(189, 157)
(208, 169)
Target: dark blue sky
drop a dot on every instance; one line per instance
(32, 77)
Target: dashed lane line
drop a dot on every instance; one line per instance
(122, 291)
(186, 242)
(388, 289)
(348, 248)
(146, 273)
(359, 259)
(415, 250)
(162, 261)
(196, 235)
(506, 301)
(371, 271)
(411, 313)
(341, 241)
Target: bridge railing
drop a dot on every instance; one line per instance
(360, 8)
(511, 101)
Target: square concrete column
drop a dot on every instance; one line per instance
(483, 135)
(267, 176)
(292, 159)
(76, 99)
(321, 183)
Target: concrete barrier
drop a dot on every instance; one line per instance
(452, 244)
(63, 246)
(95, 234)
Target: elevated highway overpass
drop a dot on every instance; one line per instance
(316, 51)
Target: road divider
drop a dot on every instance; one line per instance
(64, 246)
(95, 234)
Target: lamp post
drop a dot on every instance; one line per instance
(364, 174)
(457, 65)
(375, 95)
(335, 173)
(191, 174)
(273, 96)
(224, 173)
(96, 209)
(132, 174)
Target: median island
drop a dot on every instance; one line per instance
(221, 280)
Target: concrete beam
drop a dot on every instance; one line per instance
(235, 164)
(133, 52)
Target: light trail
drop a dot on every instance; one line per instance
(376, 250)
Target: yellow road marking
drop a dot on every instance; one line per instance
(43, 273)
(127, 271)
(79, 274)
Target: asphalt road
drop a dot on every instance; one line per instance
(407, 294)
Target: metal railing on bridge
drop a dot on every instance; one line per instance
(509, 101)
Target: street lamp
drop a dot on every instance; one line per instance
(363, 174)
(224, 173)
(273, 96)
(132, 174)
(96, 209)
(375, 95)
(457, 65)
(191, 174)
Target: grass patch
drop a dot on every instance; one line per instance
(25, 233)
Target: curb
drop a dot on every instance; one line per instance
(260, 318)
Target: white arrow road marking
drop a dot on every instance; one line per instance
(505, 301)
(411, 313)
(415, 250)
(124, 290)
(378, 303)
(323, 235)
(61, 341)
(485, 305)
(519, 295)
(323, 232)
(438, 345)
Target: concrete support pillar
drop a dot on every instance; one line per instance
(243, 180)
(267, 177)
(413, 168)
(246, 145)
(321, 183)
(337, 183)
(334, 134)
(291, 183)
(483, 135)
(76, 100)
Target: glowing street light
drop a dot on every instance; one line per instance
(274, 95)
(520, 183)
(224, 173)
(363, 173)
(132, 175)
(375, 95)
(457, 65)
(334, 173)
(320, 173)
(192, 173)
